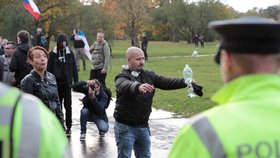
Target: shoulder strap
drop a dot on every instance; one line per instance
(103, 45)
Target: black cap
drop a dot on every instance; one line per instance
(252, 34)
(61, 38)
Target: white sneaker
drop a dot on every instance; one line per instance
(83, 136)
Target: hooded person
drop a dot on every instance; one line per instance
(62, 65)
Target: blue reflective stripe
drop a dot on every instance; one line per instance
(4, 88)
(209, 137)
(67, 152)
(5, 115)
(31, 129)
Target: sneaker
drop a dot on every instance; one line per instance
(101, 134)
(83, 136)
(68, 132)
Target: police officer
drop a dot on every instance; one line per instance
(28, 128)
(246, 126)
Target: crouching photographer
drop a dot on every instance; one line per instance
(95, 103)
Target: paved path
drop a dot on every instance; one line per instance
(164, 128)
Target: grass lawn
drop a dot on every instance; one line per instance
(169, 59)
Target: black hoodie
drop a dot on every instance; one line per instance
(62, 63)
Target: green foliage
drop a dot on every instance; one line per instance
(180, 20)
(13, 19)
(170, 63)
(93, 20)
(163, 20)
(133, 14)
(271, 12)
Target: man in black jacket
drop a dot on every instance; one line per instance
(95, 103)
(18, 62)
(63, 66)
(135, 89)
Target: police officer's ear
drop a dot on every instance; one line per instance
(226, 59)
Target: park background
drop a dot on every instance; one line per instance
(169, 24)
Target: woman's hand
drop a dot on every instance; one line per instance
(91, 93)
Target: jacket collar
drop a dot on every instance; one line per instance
(67, 50)
(249, 86)
(37, 76)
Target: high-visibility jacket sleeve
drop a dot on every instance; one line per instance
(188, 144)
(46, 138)
(54, 141)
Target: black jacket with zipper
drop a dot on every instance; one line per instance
(132, 107)
(45, 89)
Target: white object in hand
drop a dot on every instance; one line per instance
(187, 75)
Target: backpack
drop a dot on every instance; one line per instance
(109, 94)
(44, 41)
(110, 49)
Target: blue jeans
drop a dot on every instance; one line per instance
(128, 138)
(86, 116)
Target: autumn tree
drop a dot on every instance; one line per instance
(133, 14)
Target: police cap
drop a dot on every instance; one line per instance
(251, 35)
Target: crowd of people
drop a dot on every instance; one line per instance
(249, 66)
(50, 76)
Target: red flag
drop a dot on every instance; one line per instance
(31, 7)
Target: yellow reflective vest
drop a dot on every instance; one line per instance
(246, 125)
(28, 129)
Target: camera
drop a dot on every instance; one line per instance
(92, 87)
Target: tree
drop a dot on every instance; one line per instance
(133, 13)
(15, 18)
(207, 11)
(271, 12)
(56, 17)
(94, 19)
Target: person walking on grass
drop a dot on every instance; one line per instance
(100, 51)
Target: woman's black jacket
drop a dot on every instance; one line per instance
(45, 89)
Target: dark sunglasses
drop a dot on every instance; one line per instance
(8, 48)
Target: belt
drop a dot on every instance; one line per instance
(136, 125)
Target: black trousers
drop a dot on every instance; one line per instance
(65, 98)
(96, 74)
